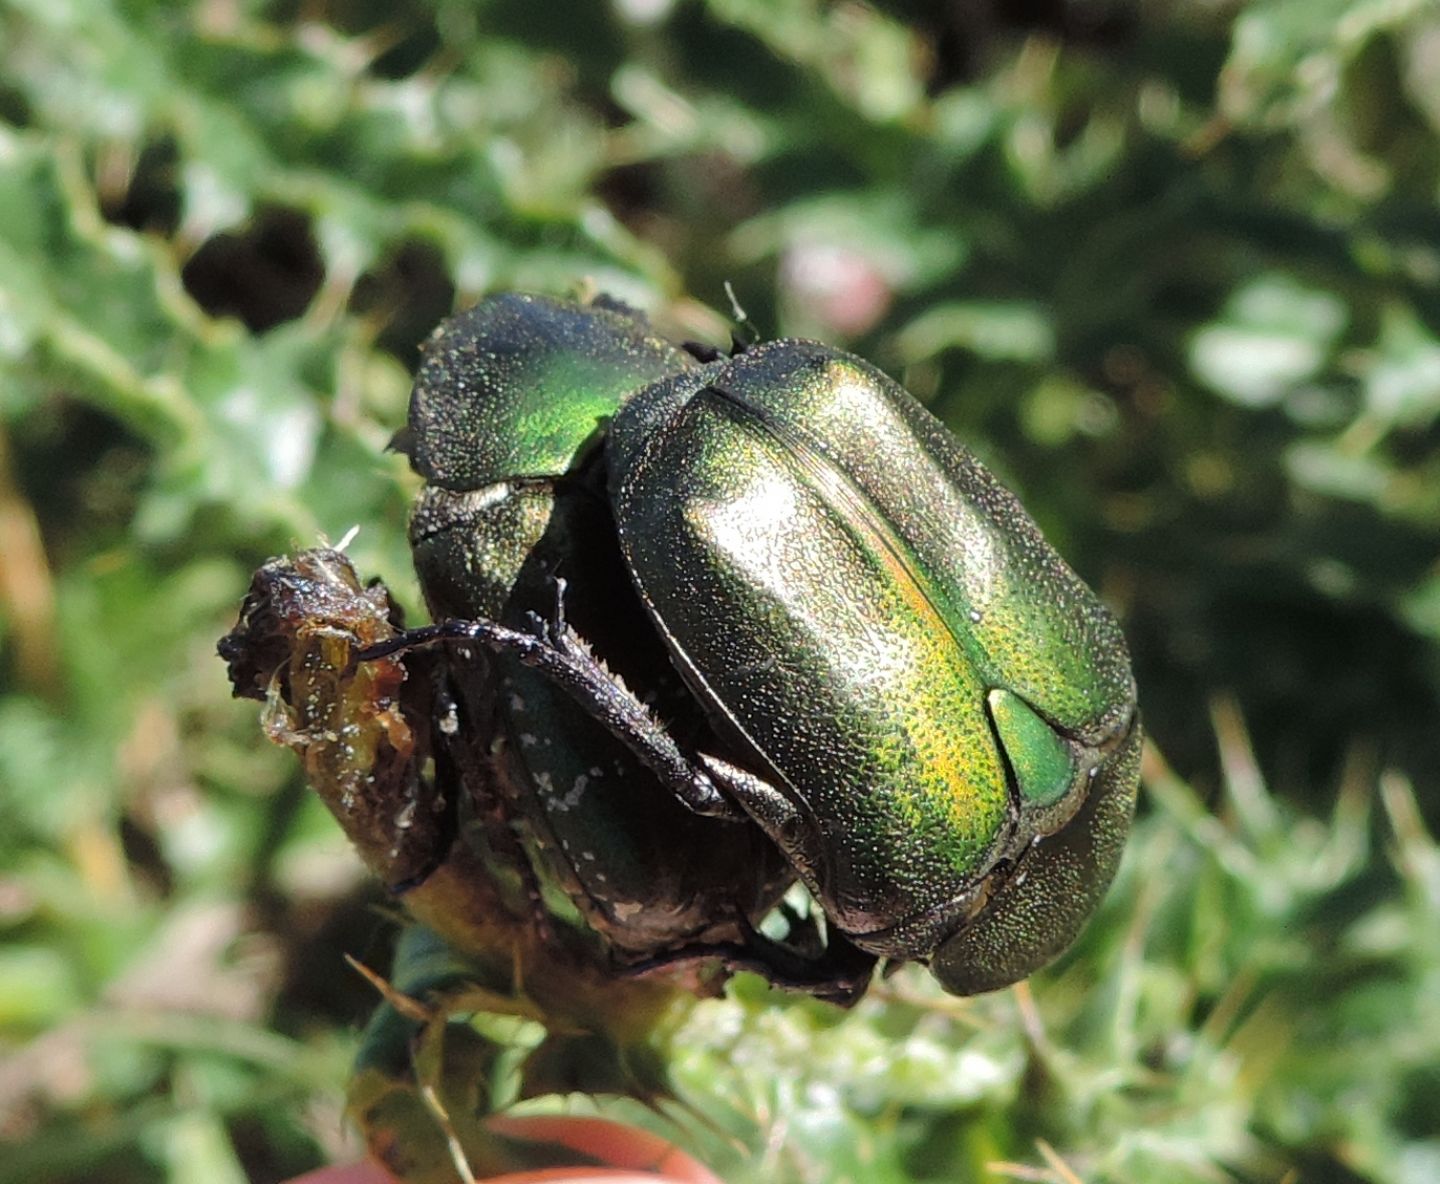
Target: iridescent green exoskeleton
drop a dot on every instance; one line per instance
(937, 716)
(886, 668)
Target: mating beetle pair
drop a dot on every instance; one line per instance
(819, 639)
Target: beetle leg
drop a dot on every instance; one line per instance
(762, 801)
(561, 655)
(468, 765)
(774, 812)
(503, 841)
(841, 975)
(744, 334)
(702, 352)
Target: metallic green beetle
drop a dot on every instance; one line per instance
(504, 425)
(910, 693)
(938, 717)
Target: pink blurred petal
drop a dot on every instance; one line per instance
(633, 1156)
(581, 1176)
(613, 1143)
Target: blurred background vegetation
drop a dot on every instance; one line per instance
(1173, 268)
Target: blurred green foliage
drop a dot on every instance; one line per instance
(1172, 268)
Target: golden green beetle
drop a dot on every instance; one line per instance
(903, 685)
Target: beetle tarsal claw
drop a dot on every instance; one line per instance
(558, 623)
(758, 798)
